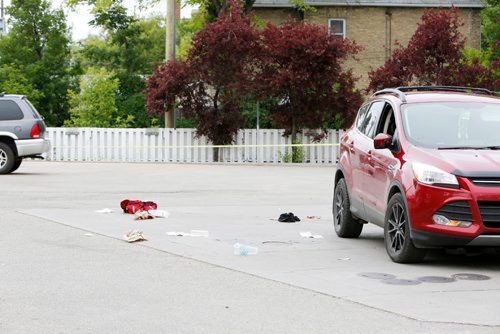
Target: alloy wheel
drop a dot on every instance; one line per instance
(3, 158)
(397, 227)
(339, 208)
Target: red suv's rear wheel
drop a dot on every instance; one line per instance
(397, 233)
(345, 225)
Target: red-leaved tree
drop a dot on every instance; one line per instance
(215, 79)
(302, 69)
(434, 56)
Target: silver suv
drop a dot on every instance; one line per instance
(22, 132)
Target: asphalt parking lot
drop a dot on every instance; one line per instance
(65, 268)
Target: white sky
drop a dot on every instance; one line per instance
(78, 20)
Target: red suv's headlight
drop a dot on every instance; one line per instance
(434, 176)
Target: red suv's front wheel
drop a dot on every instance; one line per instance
(397, 233)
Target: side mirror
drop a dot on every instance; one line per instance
(382, 140)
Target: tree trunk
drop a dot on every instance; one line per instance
(294, 132)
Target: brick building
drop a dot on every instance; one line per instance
(376, 25)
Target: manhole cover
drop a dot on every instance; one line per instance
(376, 275)
(470, 277)
(400, 281)
(436, 279)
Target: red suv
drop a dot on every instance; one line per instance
(424, 164)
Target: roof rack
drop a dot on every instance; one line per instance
(457, 89)
(395, 91)
(400, 91)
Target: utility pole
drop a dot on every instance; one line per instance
(2, 22)
(170, 53)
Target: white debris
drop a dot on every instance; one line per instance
(193, 233)
(199, 233)
(159, 213)
(178, 234)
(105, 210)
(310, 235)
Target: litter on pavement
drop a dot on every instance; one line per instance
(132, 206)
(142, 215)
(244, 250)
(288, 218)
(134, 236)
(159, 213)
(105, 210)
(193, 233)
(310, 235)
(313, 217)
(142, 210)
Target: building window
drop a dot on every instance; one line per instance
(337, 27)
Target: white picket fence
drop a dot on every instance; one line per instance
(181, 145)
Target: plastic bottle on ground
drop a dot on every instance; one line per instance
(244, 250)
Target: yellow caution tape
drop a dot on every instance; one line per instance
(198, 146)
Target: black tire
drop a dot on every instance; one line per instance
(345, 225)
(397, 233)
(17, 163)
(6, 158)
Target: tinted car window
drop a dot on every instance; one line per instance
(9, 111)
(33, 110)
(361, 116)
(370, 122)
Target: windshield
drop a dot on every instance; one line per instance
(452, 125)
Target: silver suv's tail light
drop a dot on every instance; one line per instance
(35, 131)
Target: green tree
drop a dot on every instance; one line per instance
(37, 47)
(130, 101)
(214, 7)
(95, 104)
(130, 49)
(491, 29)
(14, 80)
(129, 44)
(186, 29)
(95, 51)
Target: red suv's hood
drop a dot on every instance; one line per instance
(460, 161)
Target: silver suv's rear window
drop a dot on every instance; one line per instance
(10, 111)
(32, 108)
(452, 124)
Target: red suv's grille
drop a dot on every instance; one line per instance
(459, 210)
(490, 212)
(486, 181)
